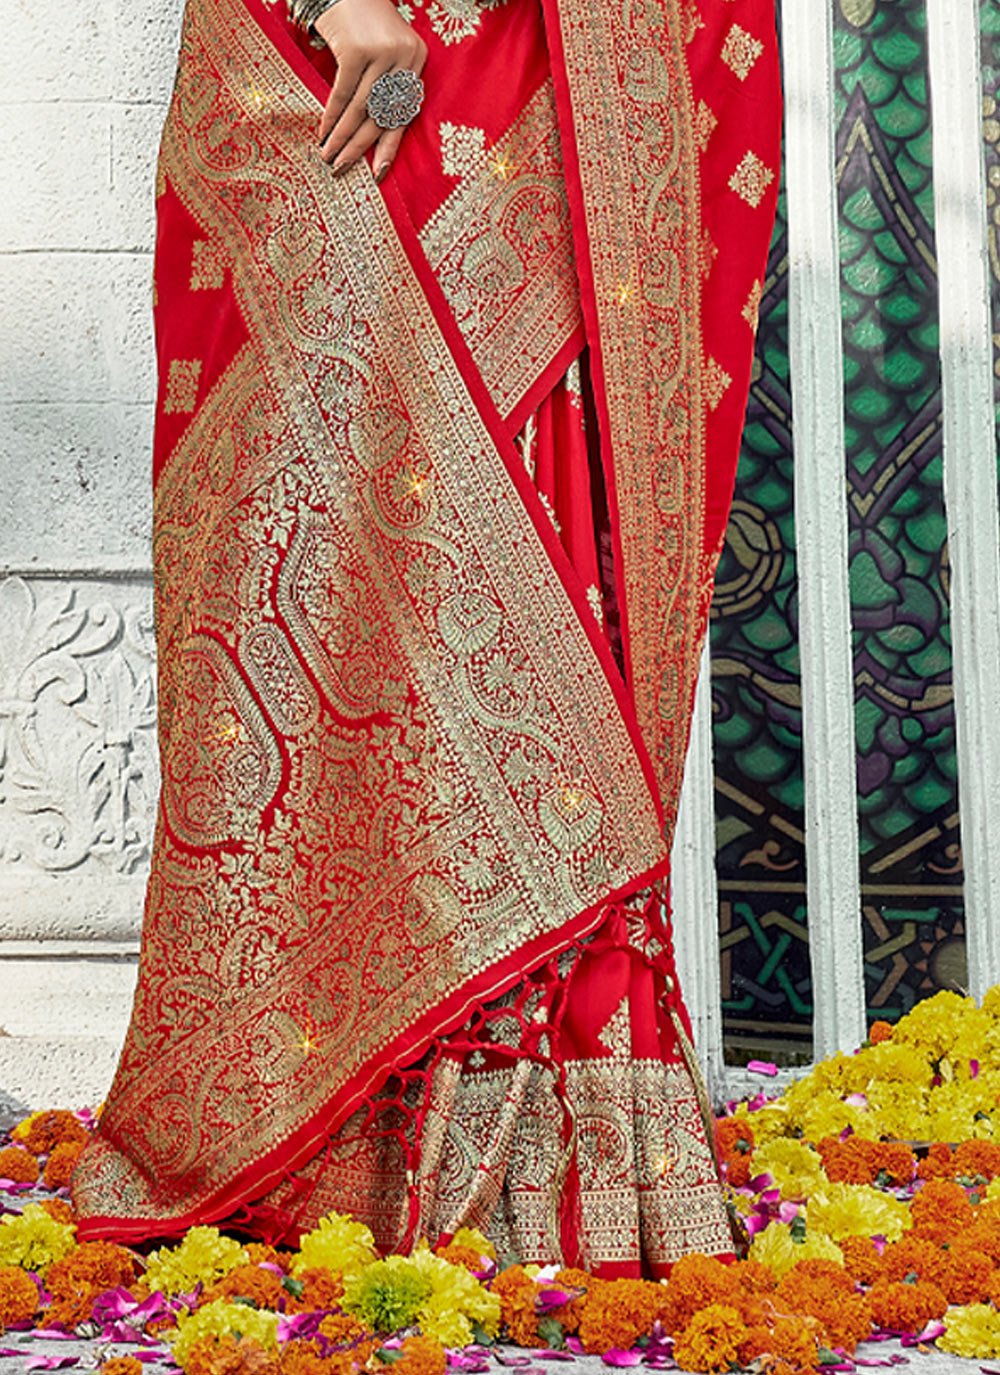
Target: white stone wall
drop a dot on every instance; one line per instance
(83, 91)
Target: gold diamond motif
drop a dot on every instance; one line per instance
(182, 386)
(740, 51)
(717, 383)
(704, 125)
(751, 179)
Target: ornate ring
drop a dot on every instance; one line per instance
(395, 98)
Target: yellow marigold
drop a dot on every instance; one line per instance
(61, 1163)
(991, 1001)
(34, 1240)
(934, 1023)
(223, 1319)
(973, 1331)
(826, 1114)
(457, 1302)
(899, 1063)
(711, 1340)
(18, 1296)
(338, 1243)
(202, 1257)
(856, 1210)
(121, 1365)
(775, 1248)
(19, 1165)
(767, 1122)
(794, 1167)
(421, 1356)
(43, 1131)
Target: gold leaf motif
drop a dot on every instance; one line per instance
(462, 148)
(705, 124)
(717, 383)
(208, 267)
(751, 309)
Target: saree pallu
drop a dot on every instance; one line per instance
(442, 471)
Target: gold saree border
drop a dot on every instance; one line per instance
(630, 130)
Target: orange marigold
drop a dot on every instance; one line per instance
(569, 1315)
(695, 1282)
(264, 1287)
(321, 1288)
(978, 1159)
(906, 1307)
(937, 1163)
(817, 1271)
(879, 1032)
(70, 1309)
(61, 1163)
(343, 1328)
(122, 1365)
(861, 1259)
(230, 1356)
(916, 1257)
(940, 1210)
(857, 1161)
(93, 1266)
(421, 1356)
(735, 1145)
(517, 1292)
(43, 1131)
(844, 1317)
(300, 1357)
(465, 1256)
(966, 1276)
(711, 1340)
(982, 1236)
(789, 1343)
(260, 1253)
(18, 1296)
(59, 1209)
(18, 1165)
(618, 1312)
(754, 1277)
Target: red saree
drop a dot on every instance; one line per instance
(442, 471)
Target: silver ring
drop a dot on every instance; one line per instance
(395, 99)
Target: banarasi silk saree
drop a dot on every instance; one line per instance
(442, 470)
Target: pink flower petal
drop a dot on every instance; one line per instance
(51, 1362)
(973, 1069)
(549, 1355)
(617, 1356)
(762, 1067)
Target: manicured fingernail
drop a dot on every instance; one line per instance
(382, 173)
(339, 168)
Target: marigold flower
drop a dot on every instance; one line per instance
(775, 1248)
(121, 1365)
(263, 1287)
(695, 1282)
(617, 1312)
(787, 1343)
(795, 1168)
(388, 1294)
(973, 1331)
(339, 1244)
(59, 1209)
(342, 1328)
(260, 1253)
(978, 1159)
(983, 1236)
(711, 1340)
(320, 1289)
(301, 1357)
(61, 1163)
(18, 1165)
(901, 1307)
(914, 1256)
(844, 1316)
(941, 1209)
(34, 1240)
(220, 1320)
(203, 1256)
(457, 1302)
(844, 1210)
(754, 1278)
(18, 1296)
(938, 1163)
(517, 1292)
(43, 1131)
(861, 1259)
(229, 1355)
(879, 1032)
(860, 1161)
(965, 1276)
(69, 1310)
(94, 1266)
(460, 1255)
(476, 1241)
(421, 1356)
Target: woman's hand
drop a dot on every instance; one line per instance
(367, 38)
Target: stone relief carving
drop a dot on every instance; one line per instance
(78, 764)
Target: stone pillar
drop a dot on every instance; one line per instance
(84, 88)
